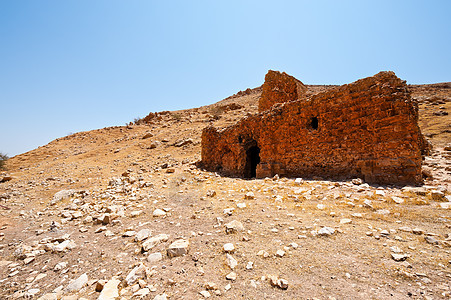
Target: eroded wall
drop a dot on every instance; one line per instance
(367, 129)
(279, 87)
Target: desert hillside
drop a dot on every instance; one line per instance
(123, 212)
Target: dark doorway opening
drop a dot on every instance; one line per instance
(252, 160)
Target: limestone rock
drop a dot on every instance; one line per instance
(278, 282)
(431, 240)
(231, 276)
(233, 227)
(326, 231)
(205, 294)
(249, 195)
(399, 257)
(437, 195)
(137, 273)
(142, 235)
(110, 290)
(153, 241)
(231, 261)
(158, 213)
(229, 247)
(61, 195)
(142, 293)
(49, 296)
(77, 284)
(178, 248)
(397, 200)
(161, 297)
(67, 244)
(154, 257)
(418, 231)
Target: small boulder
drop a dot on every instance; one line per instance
(110, 290)
(233, 227)
(326, 231)
(154, 257)
(178, 248)
(142, 235)
(229, 247)
(153, 241)
(77, 284)
(158, 213)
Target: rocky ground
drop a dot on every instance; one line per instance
(123, 212)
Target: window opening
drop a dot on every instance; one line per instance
(314, 123)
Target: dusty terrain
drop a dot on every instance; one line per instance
(293, 239)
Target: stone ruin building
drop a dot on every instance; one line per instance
(367, 129)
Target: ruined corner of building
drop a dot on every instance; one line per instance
(366, 129)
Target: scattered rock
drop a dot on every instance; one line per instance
(326, 231)
(100, 285)
(183, 143)
(205, 294)
(153, 241)
(395, 249)
(233, 227)
(431, 240)
(142, 235)
(249, 195)
(161, 297)
(67, 244)
(147, 135)
(77, 284)
(397, 200)
(345, 221)
(154, 257)
(399, 257)
(437, 195)
(418, 231)
(110, 290)
(137, 273)
(368, 204)
(229, 247)
(211, 193)
(142, 293)
(61, 195)
(230, 261)
(158, 213)
(357, 181)
(231, 276)
(278, 282)
(178, 248)
(49, 296)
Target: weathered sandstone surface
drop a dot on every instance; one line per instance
(367, 129)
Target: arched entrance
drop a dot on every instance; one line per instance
(252, 160)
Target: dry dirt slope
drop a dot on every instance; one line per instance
(292, 239)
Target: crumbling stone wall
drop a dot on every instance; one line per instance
(367, 129)
(280, 88)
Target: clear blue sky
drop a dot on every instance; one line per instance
(69, 66)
